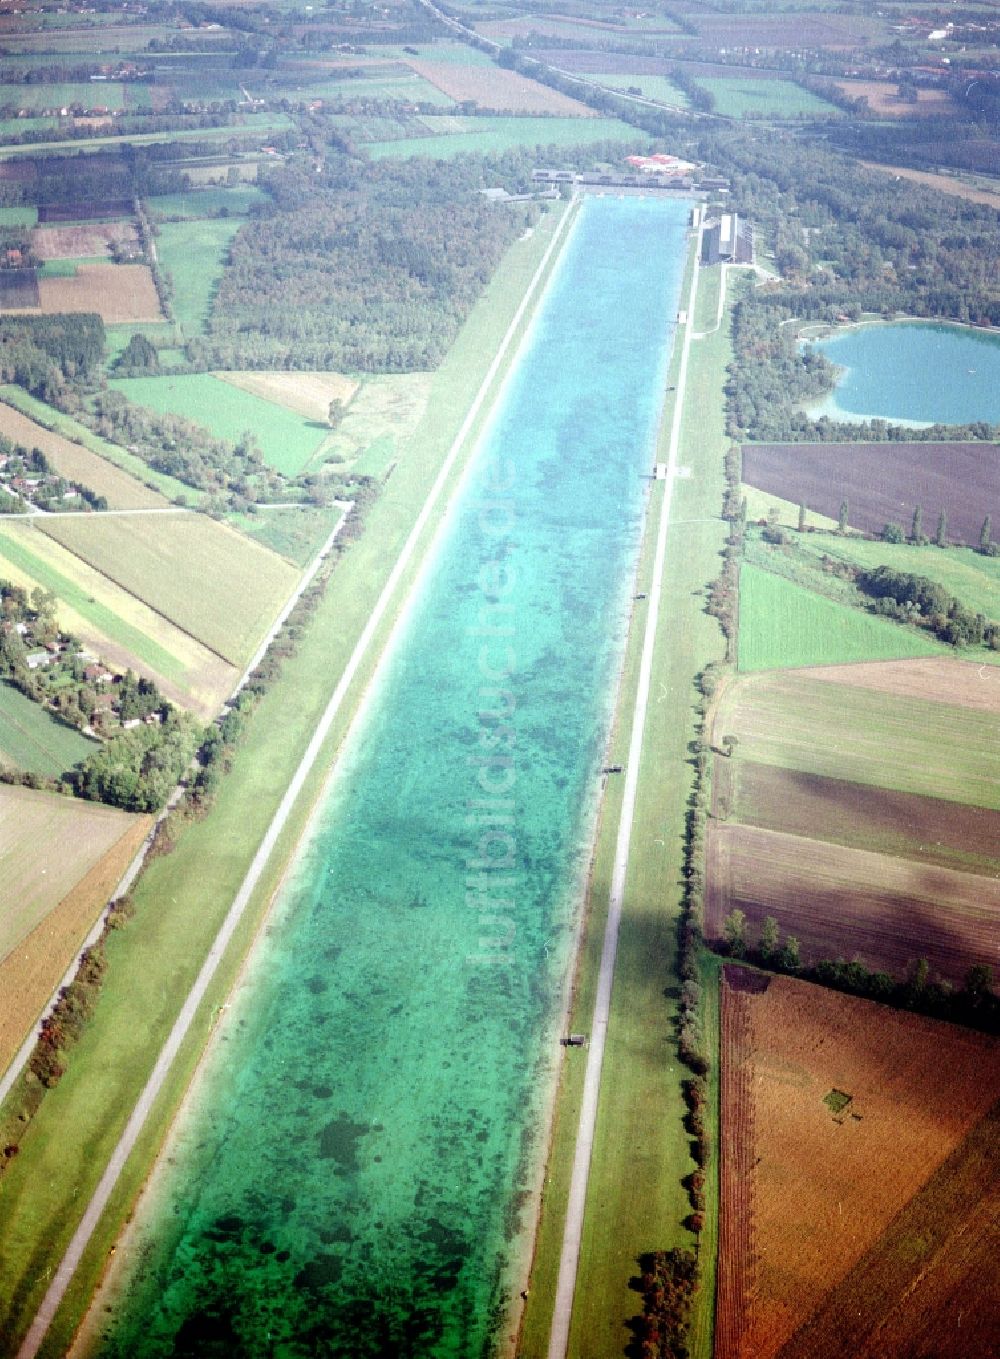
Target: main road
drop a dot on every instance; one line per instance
(573, 1230)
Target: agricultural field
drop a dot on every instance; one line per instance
(107, 94)
(945, 183)
(76, 463)
(117, 292)
(926, 1286)
(80, 242)
(883, 911)
(407, 86)
(193, 255)
(35, 966)
(784, 624)
(19, 216)
(493, 87)
(737, 98)
(658, 87)
(308, 394)
(187, 568)
(486, 134)
(788, 29)
(380, 419)
(883, 482)
(48, 842)
(836, 1112)
(928, 829)
(287, 440)
(965, 683)
(113, 624)
(883, 98)
(19, 290)
(32, 739)
(793, 720)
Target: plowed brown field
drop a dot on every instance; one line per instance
(883, 98)
(849, 903)
(942, 681)
(74, 242)
(117, 292)
(826, 1185)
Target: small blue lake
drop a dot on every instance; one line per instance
(354, 1178)
(914, 372)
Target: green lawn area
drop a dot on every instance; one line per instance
(287, 440)
(408, 88)
(182, 898)
(90, 94)
(25, 216)
(116, 337)
(795, 721)
(736, 98)
(235, 202)
(193, 254)
(489, 134)
(32, 739)
(295, 534)
(652, 86)
(458, 53)
(784, 624)
(121, 457)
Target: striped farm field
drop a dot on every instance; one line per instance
(112, 623)
(488, 134)
(785, 624)
(117, 292)
(33, 740)
(76, 463)
(493, 87)
(883, 911)
(190, 570)
(842, 1114)
(66, 858)
(228, 410)
(840, 731)
(941, 680)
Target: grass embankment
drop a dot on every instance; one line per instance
(636, 1201)
(182, 898)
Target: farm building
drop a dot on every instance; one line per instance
(727, 239)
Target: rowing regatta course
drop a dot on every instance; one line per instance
(354, 1172)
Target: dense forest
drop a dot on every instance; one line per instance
(43, 353)
(367, 267)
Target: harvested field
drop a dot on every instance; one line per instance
(75, 242)
(882, 482)
(113, 624)
(36, 965)
(825, 1185)
(930, 829)
(190, 570)
(958, 188)
(117, 292)
(19, 290)
(883, 98)
(780, 31)
(929, 1285)
(797, 722)
(76, 463)
(940, 681)
(493, 87)
(47, 844)
(308, 394)
(854, 904)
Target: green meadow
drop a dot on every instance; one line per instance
(33, 740)
(489, 134)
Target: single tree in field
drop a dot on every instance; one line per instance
(917, 527)
(986, 534)
(789, 957)
(978, 984)
(802, 517)
(768, 945)
(729, 744)
(892, 533)
(916, 987)
(734, 929)
(842, 517)
(941, 537)
(335, 413)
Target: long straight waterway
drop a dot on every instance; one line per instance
(351, 1176)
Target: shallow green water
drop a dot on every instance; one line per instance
(354, 1189)
(915, 372)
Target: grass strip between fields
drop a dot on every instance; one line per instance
(182, 898)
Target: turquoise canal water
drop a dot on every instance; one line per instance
(915, 372)
(352, 1179)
